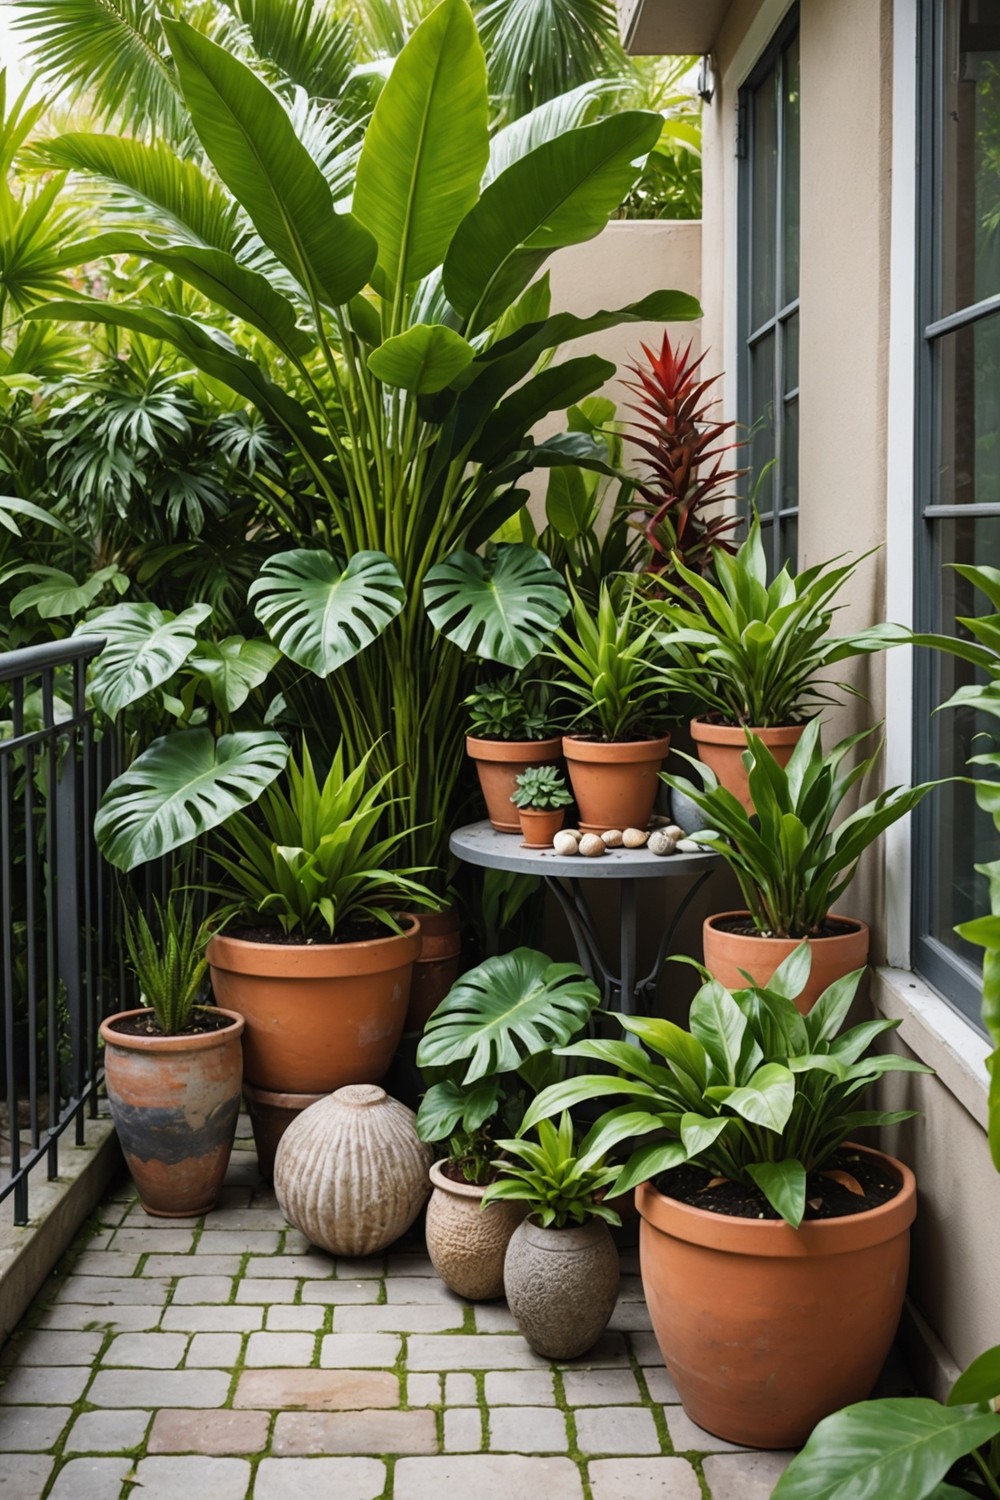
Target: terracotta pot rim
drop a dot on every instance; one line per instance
(855, 929)
(733, 734)
(449, 1185)
(502, 750)
(276, 1100)
(202, 1041)
(620, 752)
(773, 1237)
(291, 961)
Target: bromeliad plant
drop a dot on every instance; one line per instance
(606, 663)
(542, 789)
(169, 962)
(561, 1186)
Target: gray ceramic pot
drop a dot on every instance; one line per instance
(561, 1285)
(684, 812)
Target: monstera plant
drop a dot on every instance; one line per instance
(397, 344)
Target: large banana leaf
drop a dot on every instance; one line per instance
(145, 647)
(506, 610)
(424, 359)
(550, 390)
(566, 112)
(251, 141)
(426, 146)
(183, 786)
(320, 614)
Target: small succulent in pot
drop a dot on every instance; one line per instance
(508, 709)
(510, 730)
(540, 799)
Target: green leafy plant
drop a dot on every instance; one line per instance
(542, 788)
(791, 862)
(606, 664)
(507, 709)
(168, 959)
(754, 1092)
(560, 1187)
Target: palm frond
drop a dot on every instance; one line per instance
(537, 49)
(312, 47)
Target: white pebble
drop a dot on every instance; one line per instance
(635, 838)
(660, 842)
(674, 830)
(688, 846)
(591, 845)
(565, 843)
(612, 839)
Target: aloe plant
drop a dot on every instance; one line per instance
(167, 957)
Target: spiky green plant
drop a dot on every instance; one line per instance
(169, 962)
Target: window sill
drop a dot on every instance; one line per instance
(937, 1035)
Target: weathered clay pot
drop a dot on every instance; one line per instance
(721, 747)
(767, 1329)
(350, 1171)
(318, 1015)
(175, 1101)
(270, 1116)
(561, 1285)
(727, 954)
(467, 1243)
(436, 968)
(615, 785)
(540, 826)
(499, 764)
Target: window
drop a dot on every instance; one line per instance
(769, 289)
(957, 459)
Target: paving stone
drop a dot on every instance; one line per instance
(317, 1390)
(600, 1387)
(744, 1476)
(319, 1479)
(470, 1351)
(115, 1291)
(43, 1387)
(361, 1432)
(616, 1429)
(147, 1351)
(224, 1432)
(180, 1478)
(264, 1289)
(410, 1263)
(318, 1267)
(420, 1289)
(425, 1390)
(459, 1390)
(47, 1348)
(630, 1289)
(280, 1349)
(494, 1317)
(31, 1429)
(659, 1383)
(360, 1268)
(407, 1317)
(213, 1351)
(609, 1353)
(137, 1220)
(23, 1476)
(192, 1265)
(198, 1388)
(238, 1242)
(527, 1429)
(295, 1242)
(94, 1262)
(463, 1430)
(82, 1315)
(687, 1437)
(107, 1431)
(350, 1293)
(284, 1318)
(359, 1351)
(90, 1479)
(487, 1476)
(519, 1388)
(630, 1315)
(148, 1241)
(239, 1217)
(645, 1348)
(646, 1479)
(191, 1290)
(212, 1319)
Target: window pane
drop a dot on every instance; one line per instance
(968, 403)
(763, 199)
(790, 169)
(761, 416)
(790, 456)
(970, 156)
(791, 353)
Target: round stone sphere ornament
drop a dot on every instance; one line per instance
(351, 1172)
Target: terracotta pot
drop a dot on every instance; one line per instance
(540, 825)
(318, 1015)
(175, 1101)
(721, 747)
(561, 1285)
(500, 763)
(436, 968)
(767, 1329)
(729, 953)
(270, 1116)
(467, 1243)
(615, 785)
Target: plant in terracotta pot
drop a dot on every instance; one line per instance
(173, 1070)
(541, 800)
(761, 1222)
(792, 864)
(561, 1270)
(607, 666)
(509, 732)
(486, 1051)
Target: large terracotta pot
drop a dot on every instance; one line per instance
(540, 825)
(561, 1285)
(175, 1101)
(436, 968)
(270, 1116)
(728, 954)
(319, 1015)
(615, 785)
(767, 1329)
(499, 764)
(721, 747)
(467, 1243)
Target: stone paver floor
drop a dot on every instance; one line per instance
(225, 1358)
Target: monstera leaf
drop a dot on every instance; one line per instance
(321, 615)
(144, 649)
(184, 785)
(234, 667)
(505, 612)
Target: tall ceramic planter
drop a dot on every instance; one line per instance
(729, 954)
(318, 1015)
(721, 747)
(175, 1101)
(467, 1243)
(767, 1329)
(499, 764)
(561, 1285)
(436, 968)
(615, 784)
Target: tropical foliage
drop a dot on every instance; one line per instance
(167, 957)
(559, 1187)
(542, 788)
(607, 666)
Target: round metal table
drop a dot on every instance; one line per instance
(480, 844)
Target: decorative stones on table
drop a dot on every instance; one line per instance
(351, 1172)
(662, 840)
(561, 1285)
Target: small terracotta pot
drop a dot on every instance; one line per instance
(436, 968)
(175, 1101)
(721, 747)
(499, 764)
(561, 1285)
(318, 1015)
(270, 1116)
(615, 785)
(727, 954)
(467, 1243)
(767, 1329)
(540, 825)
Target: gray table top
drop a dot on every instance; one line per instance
(480, 844)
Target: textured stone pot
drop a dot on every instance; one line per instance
(615, 784)
(499, 764)
(350, 1171)
(561, 1285)
(270, 1116)
(467, 1243)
